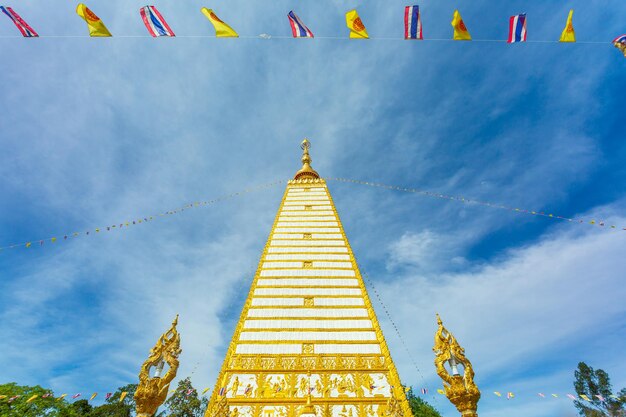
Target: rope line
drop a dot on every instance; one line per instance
(143, 219)
(464, 200)
(393, 323)
(265, 36)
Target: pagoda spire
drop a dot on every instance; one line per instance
(306, 171)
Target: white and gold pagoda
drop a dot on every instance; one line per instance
(308, 342)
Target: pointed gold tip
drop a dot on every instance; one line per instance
(439, 322)
(306, 171)
(175, 322)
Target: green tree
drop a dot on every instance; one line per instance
(15, 403)
(113, 407)
(185, 402)
(419, 407)
(596, 385)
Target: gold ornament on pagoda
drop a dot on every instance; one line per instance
(460, 389)
(152, 390)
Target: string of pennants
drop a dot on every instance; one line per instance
(510, 395)
(137, 221)
(10, 399)
(157, 26)
(129, 223)
(593, 222)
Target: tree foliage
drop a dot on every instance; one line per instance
(596, 385)
(185, 402)
(419, 407)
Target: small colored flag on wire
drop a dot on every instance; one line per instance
(109, 395)
(600, 397)
(122, 396)
(584, 397)
(510, 395)
(94, 395)
(222, 30)
(555, 395)
(460, 31)
(156, 25)
(21, 25)
(205, 391)
(46, 395)
(517, 28)
(222, 391)
(542, 395)
(424, 391)
(620, 43)
(440, 391)
(356, 26)
(94, 23)
(188, 392)
(75, 396)
(498, 393)
(61, 397)
(32, 398)
(412, 23)
(298, 28)
(571, 397)
(568, 34)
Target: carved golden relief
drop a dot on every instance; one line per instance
(307, 236)
(460, 389)
(307, 264)
(308, 302)
(307, 349)
(152, 391)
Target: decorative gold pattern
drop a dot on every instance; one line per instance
(152, 391)
(341, 384)
(460, 389)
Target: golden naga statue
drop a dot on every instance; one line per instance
(152, 391)
(460, 389)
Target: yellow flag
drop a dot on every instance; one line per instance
(499, 394)
(205, 391)
(460, 31)
(95, 25)
(94, 395)
(584, 397)
(32, 398)
(354, 23)
(568, 34)
(61, 397)
(440, 391)
(222, 30)
(122, 396)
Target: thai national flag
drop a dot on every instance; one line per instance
(620, 39)
(424, 391)
(23, 27)
(412, 23)
(222, 391)
(517, 28)
(156, 25)
(298, 28)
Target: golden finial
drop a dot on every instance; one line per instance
(152, 389)
(460, 389)
(306, 171)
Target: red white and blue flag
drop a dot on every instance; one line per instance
(620, 39)
(222, 391)
(23, 27)
(298, 28)
(424, 391)
(156, 25)
(517, 28)
(412, 23)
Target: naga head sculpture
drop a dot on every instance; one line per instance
(152, 389)
(459, 388)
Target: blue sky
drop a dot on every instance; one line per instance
(99, 131)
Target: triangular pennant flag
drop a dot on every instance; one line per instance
(122, 396)
(354, 23)
(94, 395)
(21, 25)
(460, 31)
(95, 25)
(156, 25)
(222, 30)
(298, 28)
(568, 34)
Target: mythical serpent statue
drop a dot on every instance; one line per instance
(152, 391)
(460, 389)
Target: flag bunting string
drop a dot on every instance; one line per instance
(592, 222)
(158, 27)
(137, 221)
